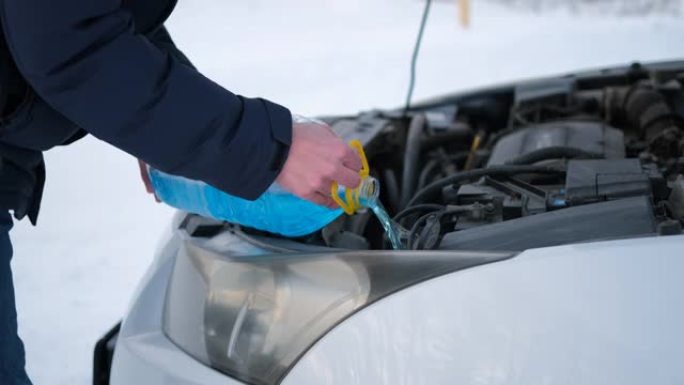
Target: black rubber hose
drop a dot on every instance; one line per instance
(433, 163)
(548, 153)
(479, 173)
(392, 187)
(411, 157)
(429, 167)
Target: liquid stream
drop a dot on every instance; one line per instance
(367, 196)
(391, 229)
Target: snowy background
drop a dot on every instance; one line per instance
(98, 230)
(621, 7)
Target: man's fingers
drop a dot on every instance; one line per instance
(323, 200)
(352, 160)
(145, 177)
(347, 177)
(146, 180)
(317, 158)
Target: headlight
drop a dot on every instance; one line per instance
(254, 317)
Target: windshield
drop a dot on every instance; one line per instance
(330, 57)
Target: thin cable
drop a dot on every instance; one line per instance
(416, 51)
(415, 228)
(415, 209)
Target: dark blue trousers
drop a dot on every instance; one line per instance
(12, 359)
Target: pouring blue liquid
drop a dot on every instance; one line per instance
(276, 211)
(390, 227)
(369, 193)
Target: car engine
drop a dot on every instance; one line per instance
(566, 160)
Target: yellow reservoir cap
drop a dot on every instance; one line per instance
(351, 202)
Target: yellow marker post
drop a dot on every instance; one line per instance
(464, 12)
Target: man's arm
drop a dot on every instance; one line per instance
(84, 58)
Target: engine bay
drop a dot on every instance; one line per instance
(564, 160)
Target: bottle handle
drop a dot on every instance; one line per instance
(351, 203)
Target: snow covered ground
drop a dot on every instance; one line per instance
(76, 271)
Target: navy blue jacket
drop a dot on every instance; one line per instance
(109, 68)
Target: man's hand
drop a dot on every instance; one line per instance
(317, 159)
(146, 180)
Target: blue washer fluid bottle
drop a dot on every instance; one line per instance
(276, 211)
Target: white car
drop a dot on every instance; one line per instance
(543, 234)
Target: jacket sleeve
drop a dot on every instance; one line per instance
(84, 58)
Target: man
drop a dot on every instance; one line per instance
(109, 68)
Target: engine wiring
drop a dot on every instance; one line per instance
(464, 176)
(416, 209)
(415, 240)
(437, 162)
(507, 159)
(426, 231)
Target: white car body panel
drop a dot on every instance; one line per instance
(600, 313)
(594, 313)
